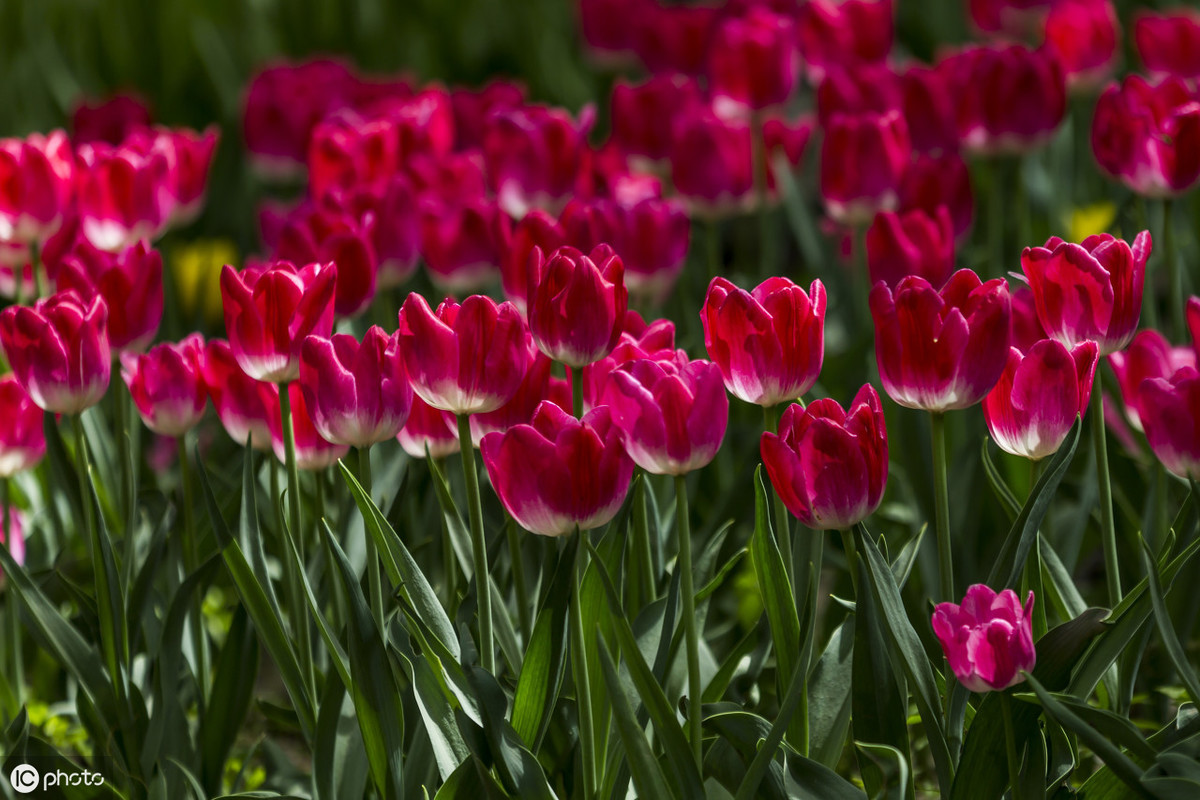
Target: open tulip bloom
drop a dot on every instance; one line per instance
(988, 639)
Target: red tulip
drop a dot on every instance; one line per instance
(829, 465)
(1091, 290)
(188, 157)
(313, 452)
(534, 155)
(167, 385)
(769, 343)
(244, 405)
(123, 193)
(131, 284)
(59, 351)
(1083, 35)
(932, 181)
(464, 359)
(833, 34)
(930, 110)
(1173, 429)
(941, 350)
(643, 114)
(1033, 406)
(576, 303)
(1169, 44)
(607, 25)
(428, 427)
(22, 442)
(36, 175)
(1010, 18)
(537, 385)
(464, 244)
(385, 223)
(638, 340)
(349, 151)
(863, 158)
(325, 235)
(472, 107)
(357, 394)
(652, 237)
(710, 162)
(753, 60)
(988, 640)
(858, 89)
(559, 473)
(912, 243)
(270, 311)
(1148, 136)
(537, 229)
(672, 412)
(109, 120)
(1148, 356)
(672, 37)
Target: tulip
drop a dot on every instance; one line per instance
(1008, 18)
(1148, 136)
(424, 122)
(769, 343)
(319, 235)
(710, 162)
(59, 351)
(131, 284)
(911, 243)
(536, 230)
(1169, 44)
(753, 60)
(313, 452)
(350, 151)
(576, 303)
(270, 311)
(1148, 356)
(109, 120)
(673, 37)
(188, 156)
(558, 473)
(1091, 290)
(472, 107)
(672, 412)
(863, 157)
(537, 385)
(638, 340)
(653, 240)
(643, 114)
(1083, 35)
(606, 25)
(454, 179)
(167, 385)
(22, 441)
(357, 394)
(843, 33)
(858, 89)
(244, 405)
(929, 109)
(932, 181)
(941, 350)
(988, 640)
(379, 228)
(829, 465)
(1033, 406)
(429, 428)
(467, 358)
(533, 156)
(123, 194)
(1173, 429)
(609, 172)
(1026, 328)
(36, 175)
(463, 245)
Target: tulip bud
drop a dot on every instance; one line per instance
(320, 235)
(167, 385)
(1169, 44)
(244, 405)
(912, 243)
(863, 157)
(22, 442)
(36, 175)
(472, 107)
(535, 230)
(932, 181)
(843, 33)
(988, 640)
(674, 37)
(1148, 136)
(1172, 425)
(753, 60)
(576, 303)
(638, 340)
(131, 284)
(109, 120)
(463, 244)
(313, 452)
(711, 164)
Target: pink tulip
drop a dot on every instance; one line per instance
(1033, 406)
(131, 283)
(559, 473)
(941, 350)
(357, 394)
(1008, 18)
(652, 239)
(1169, 43)
(22, 442)
(467, 358)
(123, 193)
(711, 164)
(912, 243)
(1172, 421)
(428, 427)
(36, 175)
(769, 342)
(350, 151)
(1084, 34)
(1148, 356)
(534, 155)
(672, 412)
(1026, 328)
(929, 109)
(472, 107)
(576, 303)
(672, 37)
(858, 89)
(320, 235)
(833, 34)
(270, 311)
(189, 156)
(643, 114)
(932, 181)
(537, 385)
(167, 385)
(638, 340)
(313, 452)
(58, 350)
(829, 465)
(244, 405)
(606, 25)
(537, 229)
(988, 640)
(360, 228)
(1148, 135)
(464, 244)
(753, 60)
(863, 157)
(1091, 290)
(109, 120)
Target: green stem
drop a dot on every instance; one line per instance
(1108, 530)
(641, 537)
(374, 582)
(524, 611)
(690, 631)
(941, 503)
(576, 391)
(1174, 276)
(449, 557)
(296, 597)
(1033, 567)
(191, 560)
(1010, 746)
(583, 689)
(783, 528)
(478, 545)
(13, 642)
(35, 262)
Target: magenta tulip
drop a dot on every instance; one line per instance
(429, 428)
(313, 451)
(357, 394)
(844, 33)
(559, 473)
(1026, 328)
(753, 60)
(643, 114)
(463, 243)
(467, 358)
(1091, 290)
(988, 640)
(941, 350)
(108, 120)
(933, 181)
(537, 385)
(22, 442)
(829, 465)
(167, 385)
(576, 303)
(1148, 135)
(911, 243)
(122, 194)
(769, 342)
(711, 165)
(1148, 356)
(1169, 43)
(1173, 427)
(36, 176)
(1084, 34)
(863, 158)
(323, 235)
(244, 405)
(537, 229)
(638, 340)
(534, 155)
(472, 107)
(131, 283)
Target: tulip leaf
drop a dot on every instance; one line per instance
(249, 532)
(1061, 586)
(1015, 550)
(471, 781)
(452, 521)
(1117, 729)
(1008, 500)
(739, 736)
(444, 736)
(829, 696)
(1166, 629)
(647, 775)
(891, 766)
(719, 682)
(339, 761)
(519, 770)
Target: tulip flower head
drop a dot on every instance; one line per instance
(988, 639)
(911, 243)
(1148, 356)
(655, 340)
(1173, 427)
(1148, 135)
(167, 385)
(36, 188)
(1169, 44)
(863, 159)
(429, 429)
(123, 193)
(22, 441)
(577, 303)
(131, 283)
(313, 451)
(753, 60)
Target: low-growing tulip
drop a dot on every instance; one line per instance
(1091, 290)
(131, 283)
(558, 473)
(22, 441)
(988, 640)
(59, 351)
(357, 394)
(829, 465)
(167, 385)
(911, 243)
(270, 311)
(36, 176)
(1034, 404)
(769, 342)
(576, 303)
(244, 405)
(313, 451)
(941, 350)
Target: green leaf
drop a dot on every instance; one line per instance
(647, 775)
(339, 761)
(1008, 501)
(471, 781)
(1166, 629)
(249, 532)
(445, 738)
(1055, 576)
(891, 766)
(770, 747)
(232, 690)
(829, 699)
(1117, 729)
(518, 768)
(817, 780)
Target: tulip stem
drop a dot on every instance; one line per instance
(13, 642)
(783, 531)
(641, 535)
(577, 391)
(478, 545)
(690, 631)
(1108, 531)
(583, 691)
(524, 613)
(1010, 744)
(1175, 295)
(295, 531)
(35, 266)
(374, 584)
(191, 560)
(941, 503)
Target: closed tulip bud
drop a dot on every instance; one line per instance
(1148, 136)
(109, 120)
(770, 342)
(22, 442)
(643, 114)
(1083, 35)
(711, 164)
(350, 151)
(270, 311)
(537, 229)
(465, 359)
(1091, 290)
(357, 394)
(534, 155)
(863, 158)
(558, 473)
(673, 37)
(1169, 44)
(672, 413)
(324, 235)
(244, 405)
(941, 350)
(122, 194)
(932, 181)
(167, 385)
(912, 243)
(1031, 409)
(833, 34)
(313, 451)
(827, 464)
(59, 351)
(36, 175)
(638, 340)
(1148, 356)
(988, 640)
(131, 284)
(429, 429)
(464, 244)
(1172, 424)
(577, 303)
(753, 60)
(472, 107)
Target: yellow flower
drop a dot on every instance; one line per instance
(1088, 220)
(197, 271)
